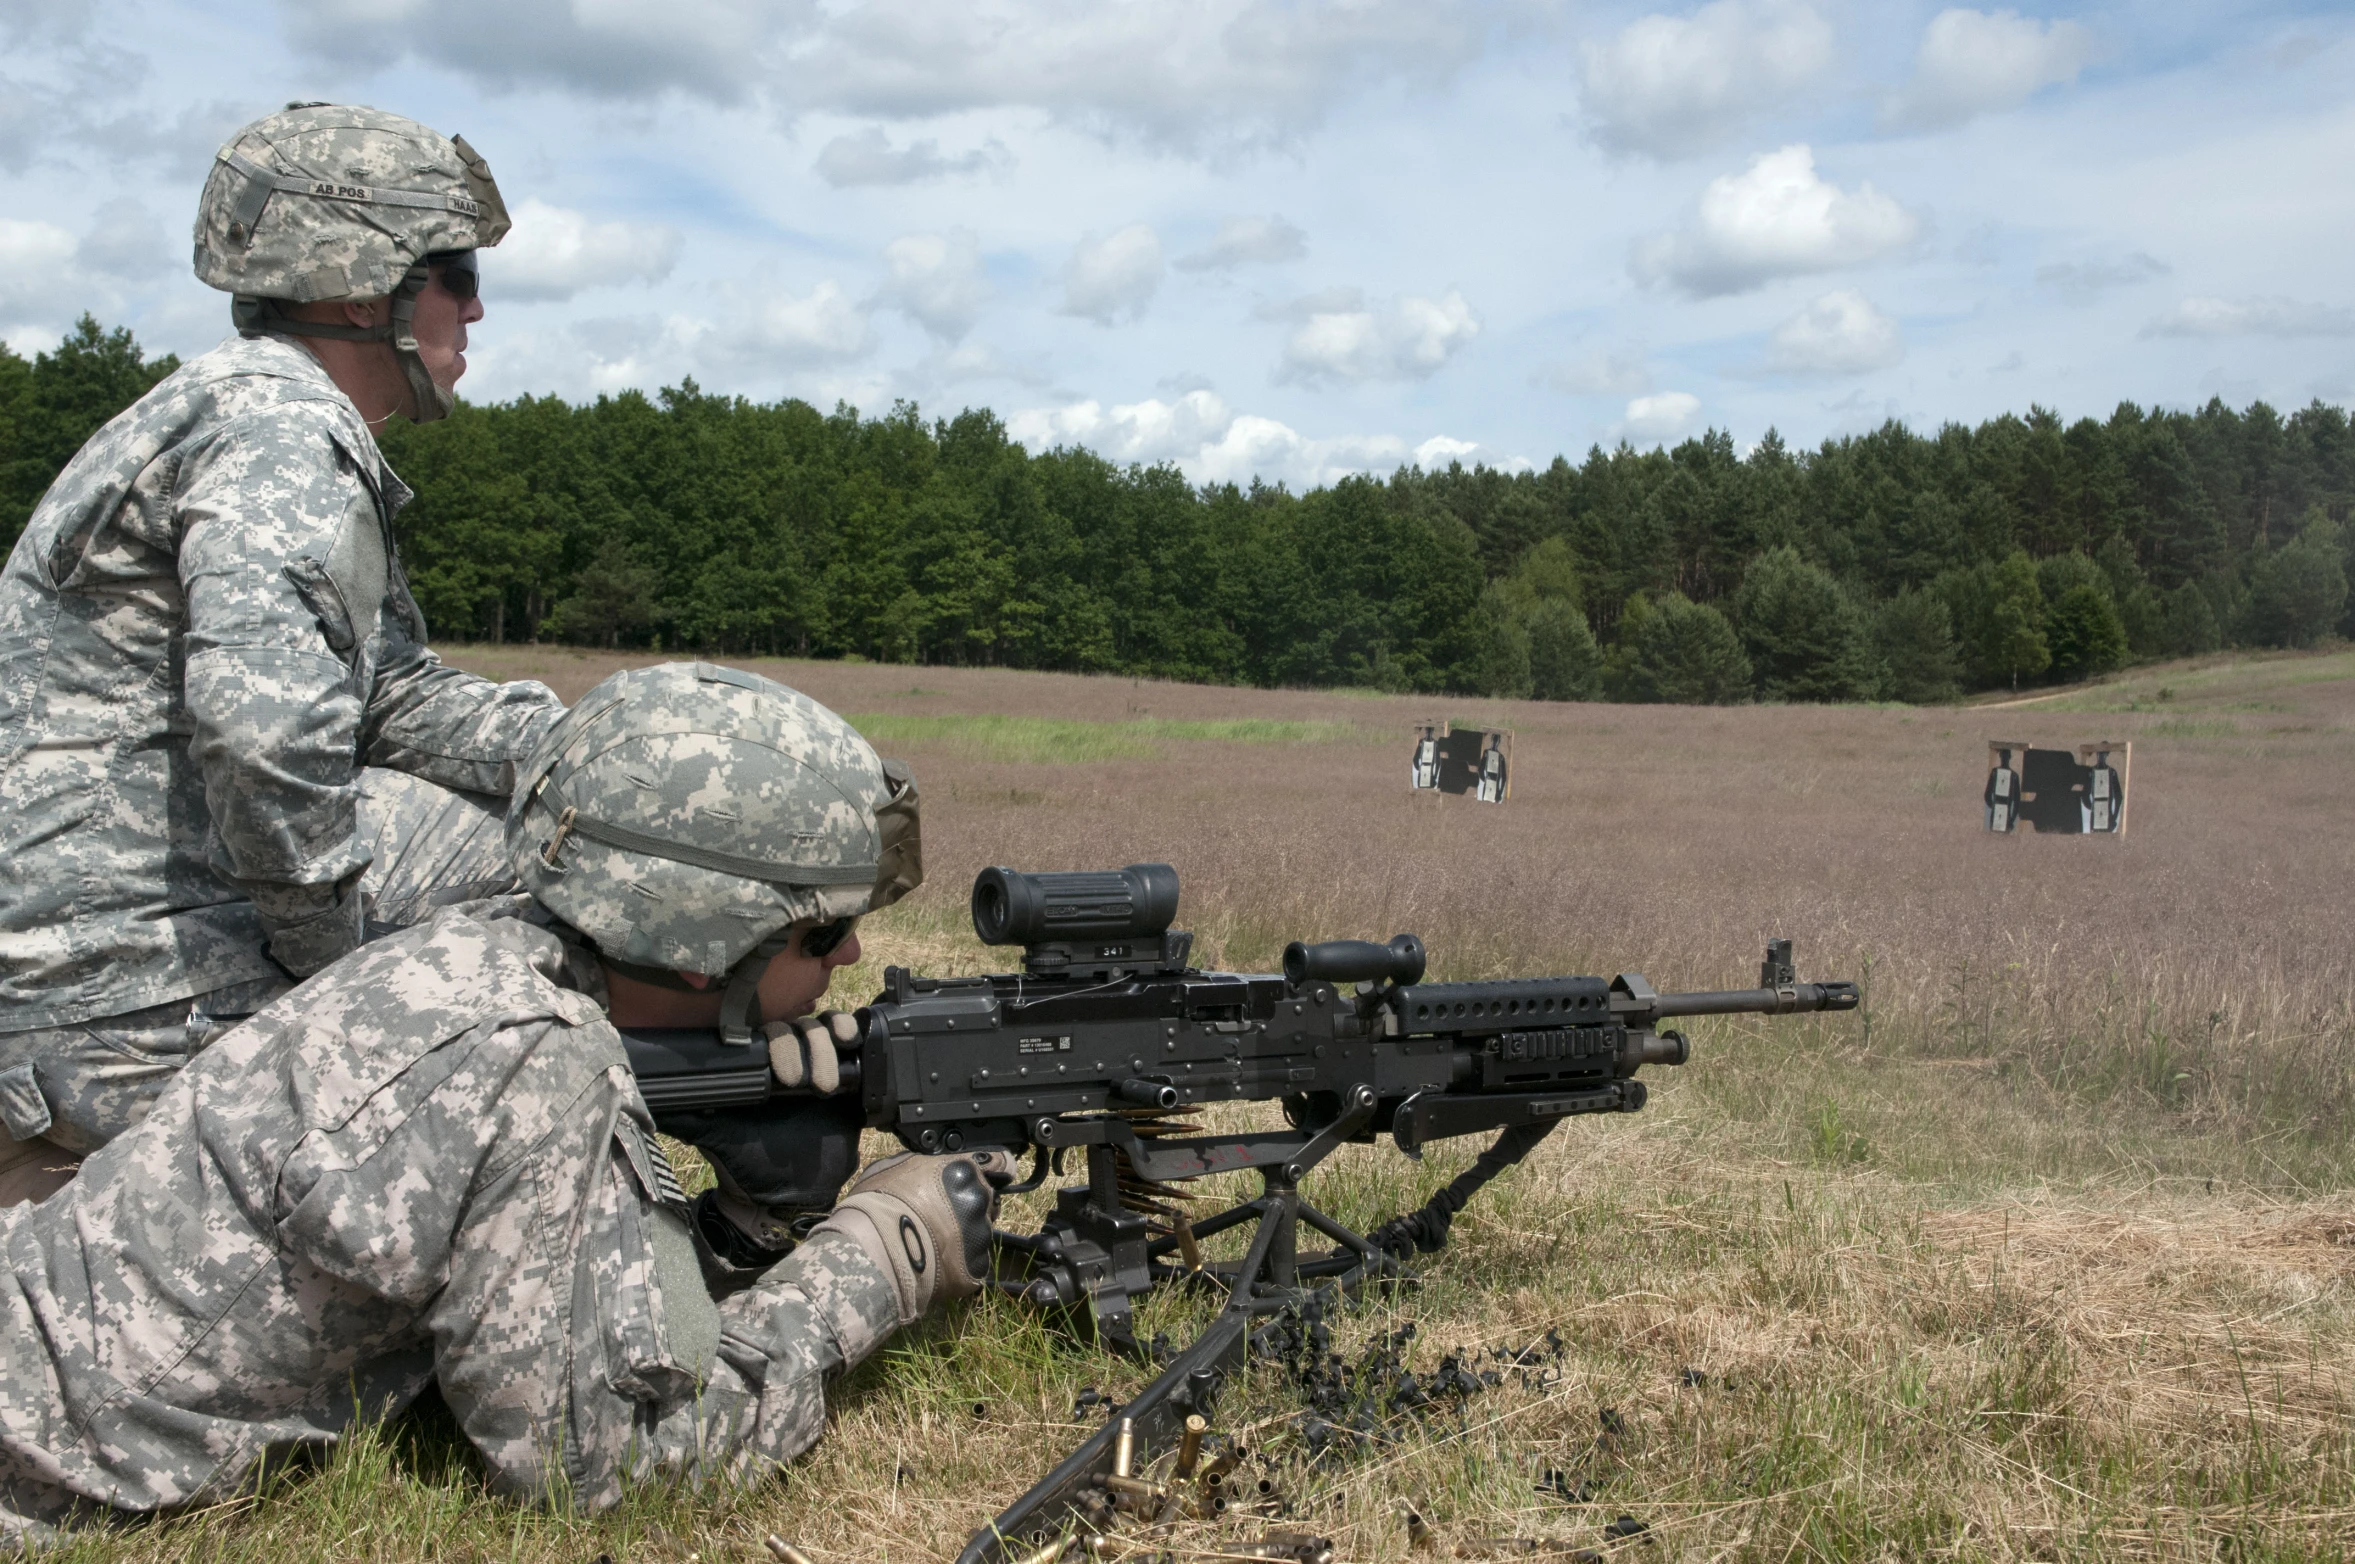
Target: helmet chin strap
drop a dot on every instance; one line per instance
(433, 400)
(740, 1001)
(739, 998)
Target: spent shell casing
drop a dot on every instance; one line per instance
(1124, 1448)
(1050, 1553)
(1190, 1447)
(785, 1552)
(1419, 1534)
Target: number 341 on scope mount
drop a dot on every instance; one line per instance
(1106, 1042)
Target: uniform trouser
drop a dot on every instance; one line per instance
(429, 847)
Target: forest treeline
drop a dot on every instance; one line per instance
(1889, 565)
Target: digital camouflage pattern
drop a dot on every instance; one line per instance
(682, 814)
(204, 636)
(429, 1162)
(335, 201)
(78, 1086)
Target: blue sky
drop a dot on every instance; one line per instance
(1289, 240)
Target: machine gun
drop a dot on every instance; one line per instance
(1104, 1043)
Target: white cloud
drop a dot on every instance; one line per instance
(1776, 219)
(1669, 86)
(2259, 317)
(970, 361)
(1149, 431)
(1247, 241)
(1841, 333)
(48, 20)
(1209, 75)
(1972, 62)
(823, 326)
(554, 253)
(2081, 282)
(598, 356)
(125, 240)
(936, 280)
(35, 260)
(1658, 419)
(1113, 278)
(715, 49)
(1341, 338)
(759, 339)
(1443, 450)
(92, 104)
(1212, 443)
(1604, 372)
(869, 158)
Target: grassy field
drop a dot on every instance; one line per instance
(2046, 1253)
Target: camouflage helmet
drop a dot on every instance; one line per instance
(684, 817)
(334, 201)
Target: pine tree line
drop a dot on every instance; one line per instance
(1888, 565)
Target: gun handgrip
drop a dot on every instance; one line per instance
(1355, 961)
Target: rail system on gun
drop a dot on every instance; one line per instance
(1109, 1040)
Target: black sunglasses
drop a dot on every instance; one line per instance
(458, 274)
(822, 940)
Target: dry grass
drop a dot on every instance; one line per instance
(2047, 1253)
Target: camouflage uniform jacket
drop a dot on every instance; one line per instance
(430, 1160)
(204, 633)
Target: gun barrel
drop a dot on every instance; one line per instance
(1789, 999)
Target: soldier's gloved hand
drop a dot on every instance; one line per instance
(806, 1051)
(929, 1219)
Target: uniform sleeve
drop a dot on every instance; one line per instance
(274, 716)
(581, 1351)
(434, 721)
(281, 720)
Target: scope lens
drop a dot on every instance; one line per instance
(989, 908)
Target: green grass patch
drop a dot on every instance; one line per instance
(2193, 728)
(1069, 741)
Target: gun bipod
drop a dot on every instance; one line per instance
(1267, 1279)
(1094, 1249)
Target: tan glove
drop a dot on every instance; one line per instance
(805, 1052)
(927, 1220)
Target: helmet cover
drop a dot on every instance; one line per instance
(682, 816)
(337, 201)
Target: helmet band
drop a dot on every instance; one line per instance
(262, 183)
(793, 876)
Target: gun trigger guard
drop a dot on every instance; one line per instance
(1038, 1172)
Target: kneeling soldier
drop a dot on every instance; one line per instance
(430, 1161)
